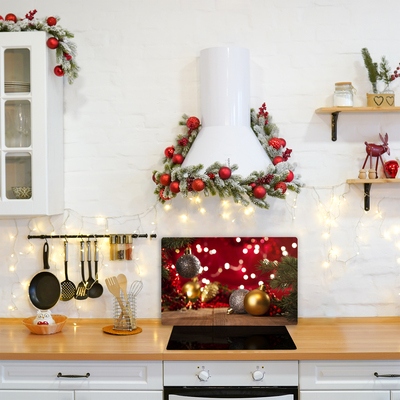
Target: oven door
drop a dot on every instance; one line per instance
(230, 393)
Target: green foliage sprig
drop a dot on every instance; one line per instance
(372, 68)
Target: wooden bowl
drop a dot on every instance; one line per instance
(60, 321)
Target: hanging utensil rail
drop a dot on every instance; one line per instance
(134, 236)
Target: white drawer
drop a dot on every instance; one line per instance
(232, 373)
(35, 395)
(346, 395)
(122, 375)
(349, 375)
(117, 395)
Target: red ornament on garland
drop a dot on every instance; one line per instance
(283, 142)
(277, 160)
(259, 192)
(58, 70)
(162, 196)
(1, 18)
(177, 159)
(11, 17)
(169, 151)
(154, 179)
(52, 43)
(275, 143)
(193, 123)
(225, 173)
(165, 179)
(198, 185)
(290, 177)
(51, 21)
(253, 185)
(174, 187)
(282, 186)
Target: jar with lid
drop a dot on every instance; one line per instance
(128, 247)
(120, 247)
(343, 95)
(113, 247)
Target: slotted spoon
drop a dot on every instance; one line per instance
(68, 288)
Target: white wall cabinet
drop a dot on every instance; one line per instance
(31, 127)
(345, 380)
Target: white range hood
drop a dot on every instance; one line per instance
(226, 135)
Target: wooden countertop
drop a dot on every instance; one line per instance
(316, 339)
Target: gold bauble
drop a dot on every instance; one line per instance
(191, 289)
(209, 292)
(257, 302)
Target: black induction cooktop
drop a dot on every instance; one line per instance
(230, 338)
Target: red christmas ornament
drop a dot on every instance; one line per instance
(11, 17)
(225, 173)
(283, 142)
(52, 43)
(275, 143)
(161, 195)
(281, 185)
(169, 151)
(193, 123)
(289, 177)
(154, 179)
(58, 70)
(391, 168)
(277, 160)
(67, 56)
(165, 179)
(198, 185)
(51, 21)
(253, 185)
(177, 159)
(259, 192)
(1, 18)
(174, 187)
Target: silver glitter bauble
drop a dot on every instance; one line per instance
(236, 300)
(188, 266)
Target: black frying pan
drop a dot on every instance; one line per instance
(45, 288)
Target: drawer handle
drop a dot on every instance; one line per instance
(60, 375)
(386, 376)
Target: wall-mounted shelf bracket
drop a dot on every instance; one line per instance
(367, 190)
(335, 117)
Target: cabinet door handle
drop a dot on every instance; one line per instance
(386, 376)
(60, 375)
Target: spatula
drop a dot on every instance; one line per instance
(115, 290)
(123, 284)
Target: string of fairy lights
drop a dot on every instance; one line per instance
(328, 215)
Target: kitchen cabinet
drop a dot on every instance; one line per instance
(83, 380)
(355, 380)
(31, 127)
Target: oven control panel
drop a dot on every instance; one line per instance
(231, 373)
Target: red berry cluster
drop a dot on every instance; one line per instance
(262, 112)
(173, 303)
(183, 141)
(266, 179)
(286, 154)
(396, 73)
(30, 15)
(211, 176)
(189, 184)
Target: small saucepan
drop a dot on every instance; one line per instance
(45, 288)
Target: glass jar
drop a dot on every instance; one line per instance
(128, 247)
(120, 247)
(113, 247)
(343, 95)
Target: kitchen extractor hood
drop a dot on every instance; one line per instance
(226, 135)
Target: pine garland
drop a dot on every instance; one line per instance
(65, 46)
(238, 187)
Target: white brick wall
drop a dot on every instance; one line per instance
(139, 74)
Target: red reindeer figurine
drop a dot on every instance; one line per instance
(376, 150)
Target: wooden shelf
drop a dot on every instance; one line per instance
(330, 110)
(335, 111)
(367, 187)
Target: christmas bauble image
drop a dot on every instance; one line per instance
(52, 43)
(58, 70)
(209, 292)
(191, 289)
(198, 185)
(188, 265)
(174, 187)
(225, 173)
(257, 302)
(259, 192)
(236, 301)
(282, 186)
(193, 123)
(165, 179)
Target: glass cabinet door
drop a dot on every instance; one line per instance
(18, 176)
(17, 67)
(17, 123)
